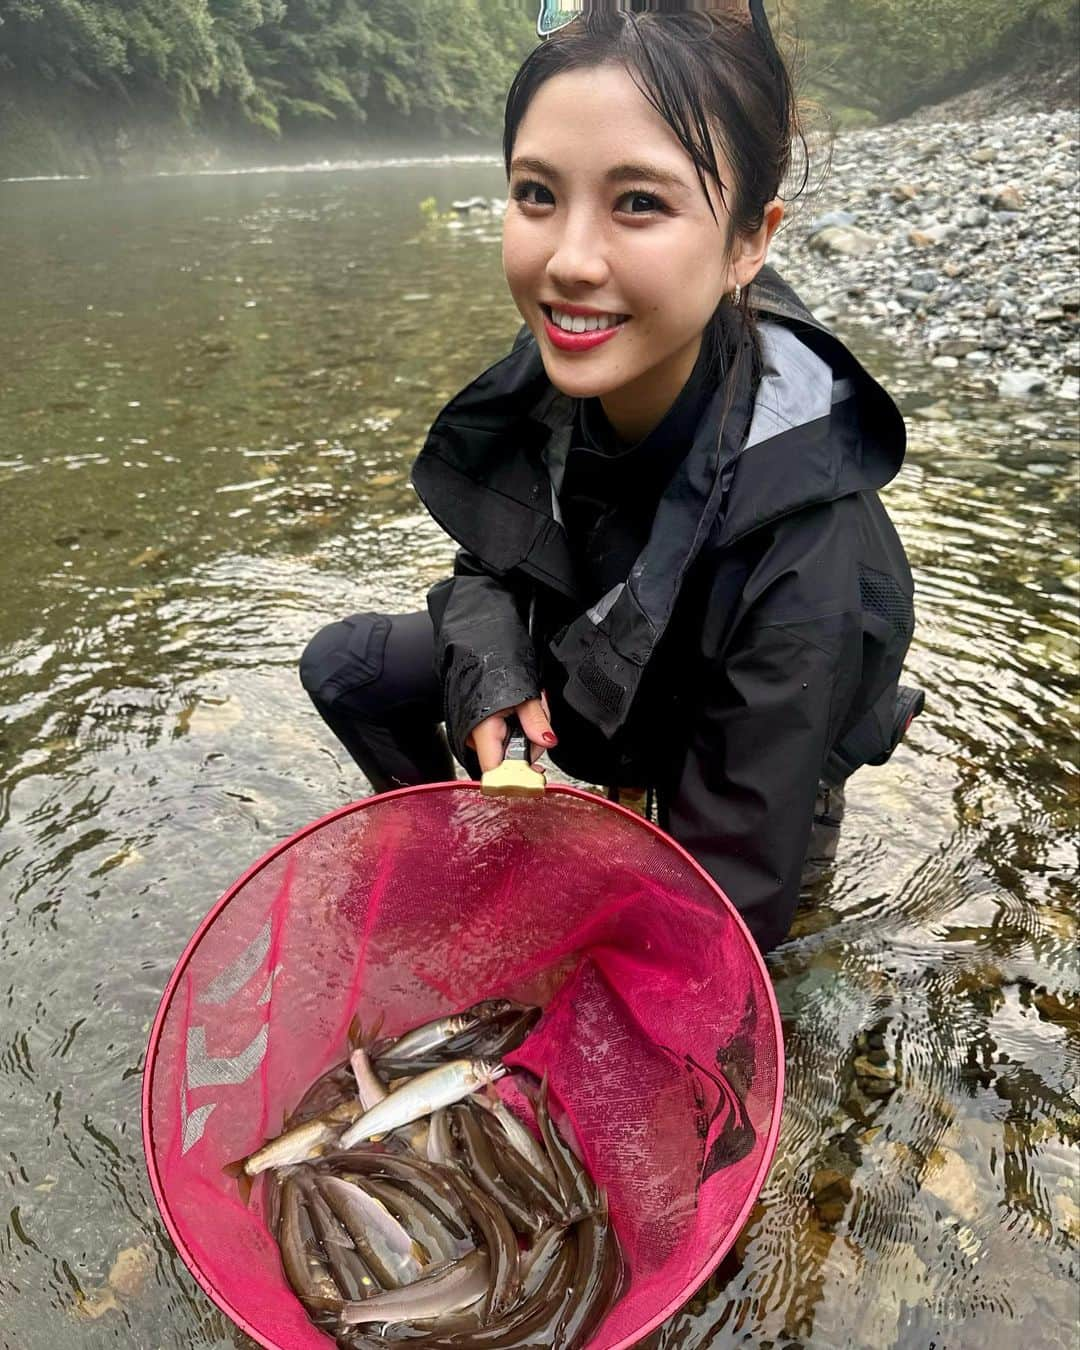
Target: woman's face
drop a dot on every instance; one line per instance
(606, 214)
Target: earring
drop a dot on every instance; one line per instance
(736, 294)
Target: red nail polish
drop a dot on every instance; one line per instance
(549, 738)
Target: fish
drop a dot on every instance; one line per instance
(501, 1029)
(499, 1239)
(429, 1183)
(422, 1095)
(541, 1196)
(575, 1186)
(519, 1135)
(484, 1169)
(440, 1143)
(446, 1289)
(389, 1251)
(418, 1219)
(369, 1086)
(533, 1322)
(348, 1269)
(307, 1273)
(300, 1143)
(435, 1033)
(330, 1090)
(537, 1262)
(594, 1278)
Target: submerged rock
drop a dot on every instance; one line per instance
(1021, 383)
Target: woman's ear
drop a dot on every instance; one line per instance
(752, 250)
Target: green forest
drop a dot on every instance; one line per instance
(103, 74)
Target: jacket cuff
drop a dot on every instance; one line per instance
(477, 686)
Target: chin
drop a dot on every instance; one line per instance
(578, 384)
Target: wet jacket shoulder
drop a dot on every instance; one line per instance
(765, 620)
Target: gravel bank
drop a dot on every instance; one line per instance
(956, 239)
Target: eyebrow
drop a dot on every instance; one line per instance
(621, 173)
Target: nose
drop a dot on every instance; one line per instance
(579, 257)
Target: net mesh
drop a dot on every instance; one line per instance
(660, 1035)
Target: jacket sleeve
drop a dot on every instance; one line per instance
(744, 802)
(484, 655)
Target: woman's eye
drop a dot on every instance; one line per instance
(652, 203)
(523, 191)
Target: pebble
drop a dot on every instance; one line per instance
(1007, 198)
(844, 239)
(1021, 383)
(1001, 299)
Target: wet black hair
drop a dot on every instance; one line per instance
(709, 75)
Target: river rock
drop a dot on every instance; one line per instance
(932, 236)
(952, 1182)
(1006, 198)
(831, 1192)
(1021, 383)
(847, 240)
(130, 1270)
(975, 218)
(990, 284)
(469, 205)
(830, 220)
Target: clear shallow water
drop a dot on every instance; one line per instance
(213, 391)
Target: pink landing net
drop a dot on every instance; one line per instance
(661, 1034)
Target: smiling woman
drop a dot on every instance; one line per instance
(640, 240)
(675, 567)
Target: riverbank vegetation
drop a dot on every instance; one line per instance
(879, 60)
(88, 84)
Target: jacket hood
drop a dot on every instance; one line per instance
(818, 427)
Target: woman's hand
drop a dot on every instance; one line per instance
(489, 737)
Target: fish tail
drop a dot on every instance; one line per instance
(359, 1039)
(243, 1180)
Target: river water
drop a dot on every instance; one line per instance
(212, 391)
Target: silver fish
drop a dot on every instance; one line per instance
(433, 1034)
(303, 1142)
(447, 1289)
(421, 1096)
(519, 1135)
(420, 1220)
(387, 1247)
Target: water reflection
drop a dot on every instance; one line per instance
(215, 390)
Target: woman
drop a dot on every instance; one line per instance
(675, 568)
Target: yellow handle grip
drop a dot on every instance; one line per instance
(512, 778)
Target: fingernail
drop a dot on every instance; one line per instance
(549, 738)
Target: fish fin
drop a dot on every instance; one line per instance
(243, 1181)
(359, 1039)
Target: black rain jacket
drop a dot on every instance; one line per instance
(756, 646)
